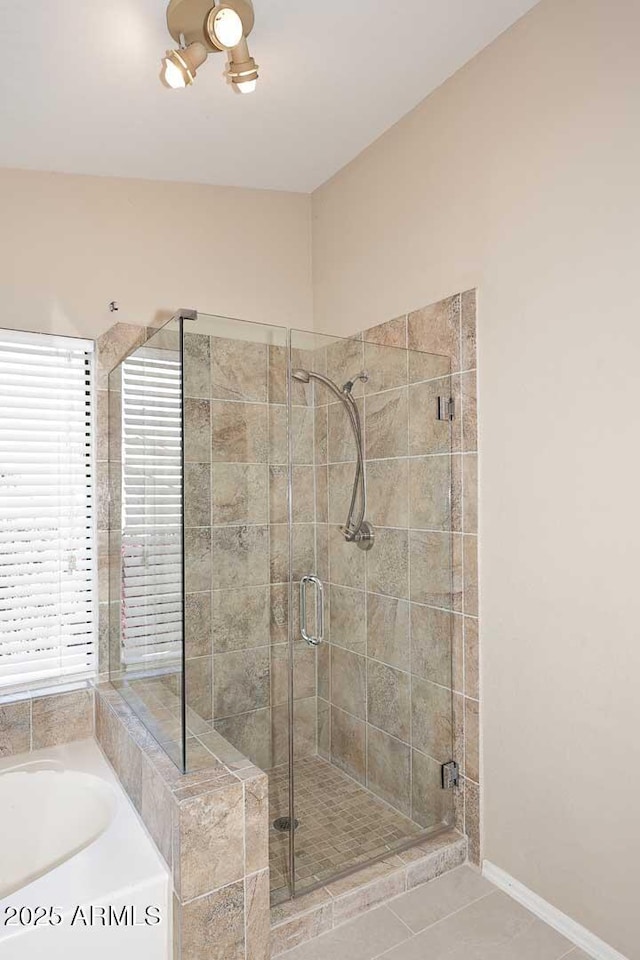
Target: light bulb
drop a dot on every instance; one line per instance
(226, 25)
(247, 86)
(173, 75)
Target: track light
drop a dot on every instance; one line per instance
(201, 29)
(180, 66)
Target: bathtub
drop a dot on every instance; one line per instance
(79, 876)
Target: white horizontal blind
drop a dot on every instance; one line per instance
(47, 544)
(152, 507)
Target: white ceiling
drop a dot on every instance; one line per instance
(80, 89)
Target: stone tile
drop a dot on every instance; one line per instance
(197, 494)
(392, 333)
(345, 360)
(239, 432)
(241, 681)
(304, 726)
(238, 369)
(471, 739)
(341, 444)
(341, 477)
(198, 686)
(239, 493)
(197, 365)
(427, 434)
(211, 847)
(471, 658)
(431, 638)
(431, 725)
(324, 728)
(156, 809)
(256, 820)
(436, 329)
(348, 744)
(346, 561)
(291, 933)
(456, 491)
(495, 926)
(213, 926)
(322, 494)
(302, 422)
(304, 672)
(360, 939)
(347, 618)
(303, 542)
(431, 576)
(278, 444)
(441, 897)
(430, 493)
(197, 614)
(279, 613)
(277, 373)
(470, 496)
(197, 430)
(430, 804)
(468, 330)
(387, 367)
(388, 637)
(197, 544)
(389, 699)
(61, 718)
(362, 900)
(427, 366)
(388, 492)
(470, 580)
(388, 563)
(303, 494)
(250, 733)
(258, 931)
(240, 618)
(469, 411)
(15, 728)
(472, 820)
(385, 421)
(389, 769)
(348, 681)
(240, 555)
(452, 854)
(321, 437)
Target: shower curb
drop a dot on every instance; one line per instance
(298, 921)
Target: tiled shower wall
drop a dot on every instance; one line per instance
(400, 614)
(448, 328)
(237, 545)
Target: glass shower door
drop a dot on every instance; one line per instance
(371, 637)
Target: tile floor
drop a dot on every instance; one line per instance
(341, 825)
(459, 916)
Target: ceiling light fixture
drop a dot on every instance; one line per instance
(201, 29)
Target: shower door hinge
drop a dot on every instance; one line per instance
(446, 408)
(450, 775)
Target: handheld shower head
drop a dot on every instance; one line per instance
(349, 385)
(301, 375)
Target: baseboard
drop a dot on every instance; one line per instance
(575, 932)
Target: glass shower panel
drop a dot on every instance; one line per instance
(146, 626)
(370, 474)
(236, 542)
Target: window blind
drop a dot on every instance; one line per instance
(152, 507)
(47, 544)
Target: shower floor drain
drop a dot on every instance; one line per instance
(283, 824)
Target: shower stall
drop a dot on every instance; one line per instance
(281, 589)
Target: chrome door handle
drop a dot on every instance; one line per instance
(310, 639)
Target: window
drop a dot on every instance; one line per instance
(152, 508)
(47, 544)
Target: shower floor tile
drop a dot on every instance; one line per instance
(341, 825)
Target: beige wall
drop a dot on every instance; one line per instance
(521, 176)
(69, 245)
